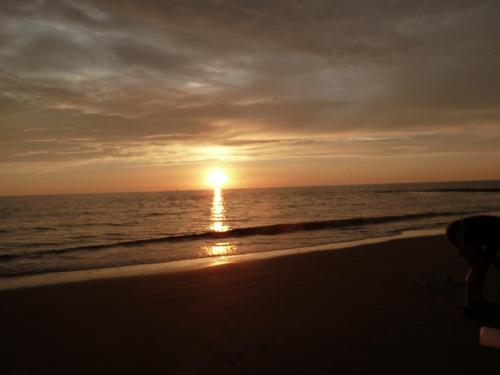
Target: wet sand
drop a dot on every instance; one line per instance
(356, 310)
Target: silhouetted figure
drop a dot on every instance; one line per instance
(477, 239)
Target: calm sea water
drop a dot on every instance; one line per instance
(40, 234)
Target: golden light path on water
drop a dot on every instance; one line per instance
(218, 224)
(217, 217)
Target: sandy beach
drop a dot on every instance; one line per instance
(358, 310)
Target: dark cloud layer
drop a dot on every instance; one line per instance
(263, 79)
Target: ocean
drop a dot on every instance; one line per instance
(43, 234)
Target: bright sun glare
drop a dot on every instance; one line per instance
(217, 178)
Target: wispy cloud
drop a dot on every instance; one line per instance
(129, 80)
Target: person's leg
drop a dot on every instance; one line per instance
(475, 278)
(474, 285)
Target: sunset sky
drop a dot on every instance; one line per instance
(152, 95)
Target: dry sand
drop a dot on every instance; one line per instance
(358, 310)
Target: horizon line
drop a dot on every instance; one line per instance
(245, 188)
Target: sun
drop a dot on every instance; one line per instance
(217, 178)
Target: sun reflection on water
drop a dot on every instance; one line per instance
(218, 224)
(219, 249)
(218, 217)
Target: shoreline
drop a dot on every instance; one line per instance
(65, 277)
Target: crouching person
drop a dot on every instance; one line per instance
(477, 239)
